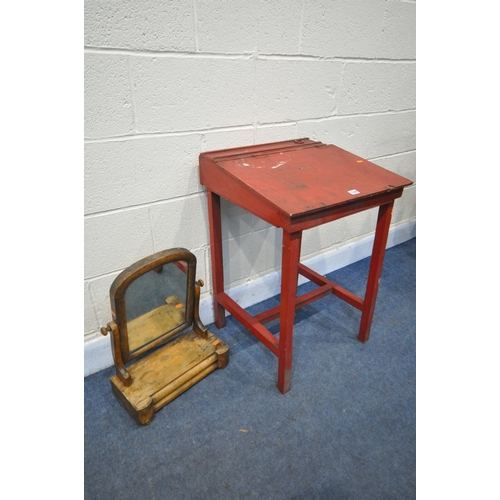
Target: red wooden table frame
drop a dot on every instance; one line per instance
(296, 185)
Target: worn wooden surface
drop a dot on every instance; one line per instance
(177, 349)
(148, 327)
(168, 372)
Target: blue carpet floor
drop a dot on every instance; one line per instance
(346, 430)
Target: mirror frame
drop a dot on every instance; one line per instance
(118, 303)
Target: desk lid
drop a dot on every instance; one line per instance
(295, 177)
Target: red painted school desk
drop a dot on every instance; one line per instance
(296, 185)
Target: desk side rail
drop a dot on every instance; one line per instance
(249, 322)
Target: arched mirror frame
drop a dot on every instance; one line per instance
(118, 303)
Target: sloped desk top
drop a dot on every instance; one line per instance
(296, 184)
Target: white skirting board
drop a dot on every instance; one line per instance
(97, 349)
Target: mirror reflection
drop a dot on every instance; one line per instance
(156, 304)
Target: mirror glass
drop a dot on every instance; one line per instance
(156, 304)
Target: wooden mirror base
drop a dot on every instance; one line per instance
(168, 372)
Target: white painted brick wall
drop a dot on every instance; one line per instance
(165, 81)
(290, 90)
(134, 172)
(376, 87)
(108, 96)
(139, 25)
(344, 28)
(238, 26)
(192, 93)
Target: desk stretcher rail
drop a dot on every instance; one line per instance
(249, 322)
(255, 323)
(337, 290)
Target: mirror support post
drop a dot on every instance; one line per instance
(121, 371)
(198, 326)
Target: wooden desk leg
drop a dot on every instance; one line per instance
(289, 275)
(377, 260)
(214, 220)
